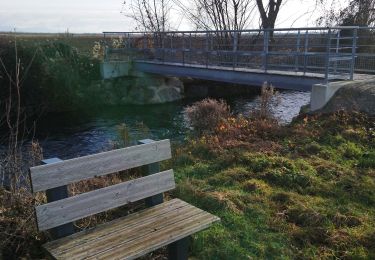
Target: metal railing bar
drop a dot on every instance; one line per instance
(241, 31)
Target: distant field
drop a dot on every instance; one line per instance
(83, 42)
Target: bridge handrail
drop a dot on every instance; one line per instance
(246, 30)
(331, 49)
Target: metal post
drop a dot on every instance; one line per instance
(171, 48)
(105, 47)
(207, 48)
(354, 51)
(162, 46)
(235, 47)
(128, 45)
(207, 42)
(183, 49)
(154, 41)
(151, 169)
(144, 45)
(337, 49)
(105, 53)
(328, 54)
(306, 52)
(183, 40)
(55, 194)
(162, 39)
(265, 49)
(190, 48)
(297, 50)
(179, 250)
(190, 41)
(144, 41)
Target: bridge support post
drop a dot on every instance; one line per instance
(306, 52)
(235, 47)
(354, 51)
(296, 58)
(328, 56)
(265, 49)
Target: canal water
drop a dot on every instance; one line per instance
(68, 135)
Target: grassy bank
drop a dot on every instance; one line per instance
(306, 190)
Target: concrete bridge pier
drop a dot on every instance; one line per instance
(136, 87)
(115, 69)
(355, 95)
(322, 93)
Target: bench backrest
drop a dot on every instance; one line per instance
(60, 212)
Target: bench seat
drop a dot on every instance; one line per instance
(134, 235)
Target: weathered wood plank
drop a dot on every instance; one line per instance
(134, 236)
(109, 228)
(157, 239)
(62, 173)
(103, 232)
(125, 235)
(73, 208)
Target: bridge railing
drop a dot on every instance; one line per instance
(365, 61)
(324, 52)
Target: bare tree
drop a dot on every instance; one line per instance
(219, 14)
(13, 119)
(268, 13)
(222, 16)
(149, 15)
(357, 12)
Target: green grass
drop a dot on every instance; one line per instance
(311, 197)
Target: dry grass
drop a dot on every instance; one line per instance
(268, 99)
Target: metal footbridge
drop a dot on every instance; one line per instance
(286, 58)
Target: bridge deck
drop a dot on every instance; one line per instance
(291, 58)
(295, 80)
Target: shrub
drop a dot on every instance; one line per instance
(267, 101)
(128, 136)
(54, 75)
(205, 115)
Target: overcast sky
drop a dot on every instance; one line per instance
(95, 16)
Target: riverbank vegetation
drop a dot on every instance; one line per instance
(54, 75)
(305, 190)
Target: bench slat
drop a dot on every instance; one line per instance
(134, 239)
(107, 242)
(49, 176)
(109, 228)
(73, 208)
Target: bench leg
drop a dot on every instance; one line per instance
(179, 250)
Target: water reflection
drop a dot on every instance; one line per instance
(68, 135)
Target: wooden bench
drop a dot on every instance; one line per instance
(159, 224)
